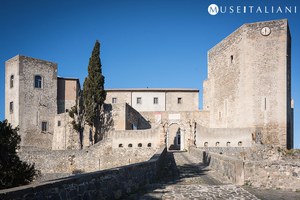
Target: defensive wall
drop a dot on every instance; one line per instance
(266, 173)
(106, 184)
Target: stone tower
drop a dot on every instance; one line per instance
(30, 99)
(249, 82)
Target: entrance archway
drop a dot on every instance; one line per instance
(175, 137)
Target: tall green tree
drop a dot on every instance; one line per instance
(13, 171)
(93, 88)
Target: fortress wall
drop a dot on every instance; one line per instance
(106, 184)
(223, 137)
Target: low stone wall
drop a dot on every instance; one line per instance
(99, 156)
(224, 137)
(107, 184)
(275, 175)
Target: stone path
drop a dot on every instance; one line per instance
(184, 177)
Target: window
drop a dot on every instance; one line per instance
(155, 100)
(231, 59)
(228, 144)
(139, 100)
(140, 145)
(129, 145)
(240, 143)
(44, 126)
(58, 123)
(11, 107)
(149, 145)
(120, 145)
(37, 81)
(11, 81)
(217, 144)
(114, 100)
(179, 100)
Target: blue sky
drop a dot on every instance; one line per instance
(144, 43)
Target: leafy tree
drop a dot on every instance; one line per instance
(13, 171)
(93, 88)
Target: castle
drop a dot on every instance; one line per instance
(246, 100)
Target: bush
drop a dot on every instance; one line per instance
(13, 171)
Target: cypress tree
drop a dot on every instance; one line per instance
(93, 88)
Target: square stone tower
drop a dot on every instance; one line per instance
(30, 99)
(249, 82)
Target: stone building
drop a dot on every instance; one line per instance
(246, 100)
(249, 82)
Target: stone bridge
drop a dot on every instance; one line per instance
(167, 175)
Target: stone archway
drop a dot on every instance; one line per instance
(175, 137)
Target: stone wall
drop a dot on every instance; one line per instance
(97, 157)
(107, 184)
(134, 120)
(225, 137)
(241, 167)
(273, 174)
(131, 139)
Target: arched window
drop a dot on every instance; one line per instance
(228, 144)
(12, 81)
(240, 143)
(37, 81)
(205, 144)
(217, 144)
(129, 145)
(140, 145)
(120, 145)
(149, 145)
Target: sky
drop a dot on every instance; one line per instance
(144, 43)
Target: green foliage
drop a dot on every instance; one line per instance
(93, 88)
(13, 172)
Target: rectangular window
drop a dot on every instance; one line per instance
(44, 126)
(11, 107)
(11, 81)
(155, 100)
(58, 123)
(114, 100)
(139, 100)
(37, 81)
(179, 100)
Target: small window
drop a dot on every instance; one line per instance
(120, 145)
(11, 107)
(155, 100)
(205, 144)
(217, 144)
(58, 123)
(37, 81)
(149, 145)
(179, 100)
(114, 100)
(44, 126)
(231, 59)
(240, 143)
(140, 145)
(139, 100)
(11, 81)
(129, 145)
(228, 144)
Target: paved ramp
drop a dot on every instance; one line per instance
(185, 177)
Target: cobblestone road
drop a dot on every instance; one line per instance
(184, 177)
